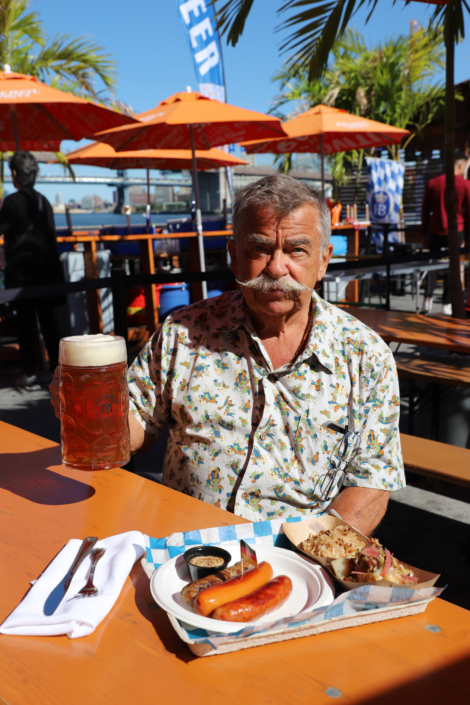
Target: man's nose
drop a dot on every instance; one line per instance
(277, 265)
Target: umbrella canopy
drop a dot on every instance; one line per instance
(337, 129)
(36, 113)
(100, 154)
(31, 145)
(324, 130)
(213, 124)
(193, 121)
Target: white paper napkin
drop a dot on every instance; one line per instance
(77, 618)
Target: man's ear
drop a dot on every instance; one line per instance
(324, 261)
(232, 248)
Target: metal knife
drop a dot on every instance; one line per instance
(56, 596)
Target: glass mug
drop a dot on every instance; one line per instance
(94, 402)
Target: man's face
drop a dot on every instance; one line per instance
(289, 248)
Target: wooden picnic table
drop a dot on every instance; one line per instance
(134, 656)
(442, 332)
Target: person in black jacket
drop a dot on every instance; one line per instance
(27, 223)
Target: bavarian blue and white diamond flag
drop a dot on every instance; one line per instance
(385, 181)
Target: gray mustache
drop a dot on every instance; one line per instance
(265, 283)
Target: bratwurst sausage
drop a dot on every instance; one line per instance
(263, 600)
(208, 600)
(189, 592)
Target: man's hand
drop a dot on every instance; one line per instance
(54, 390)
(141, 441)
(361, 507)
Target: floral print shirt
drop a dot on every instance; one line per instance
(252, 439)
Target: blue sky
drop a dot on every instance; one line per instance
(146, 40)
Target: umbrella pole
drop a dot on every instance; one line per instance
(15, 128)
(322, 154)
(149, 220)
(200, 239)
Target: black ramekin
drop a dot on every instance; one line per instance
(196, 571)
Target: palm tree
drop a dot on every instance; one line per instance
(69, 64)
(73, 65)
(314, 26)
(389, 82)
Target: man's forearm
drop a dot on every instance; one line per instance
(361, 507)
(141, 441)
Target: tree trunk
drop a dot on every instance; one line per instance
(458, 306)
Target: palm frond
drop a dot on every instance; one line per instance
(75, 62)
(65, 164)
(231, 19)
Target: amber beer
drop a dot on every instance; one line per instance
(94, 402)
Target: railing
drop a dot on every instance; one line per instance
(119, 281)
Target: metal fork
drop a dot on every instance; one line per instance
(90, 590)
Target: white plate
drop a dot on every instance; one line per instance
(312, 588)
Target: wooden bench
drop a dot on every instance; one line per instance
(431, 371)
(435, 373)
(439, 461)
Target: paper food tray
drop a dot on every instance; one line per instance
(209, 648)
(297, 532)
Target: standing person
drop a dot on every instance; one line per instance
(434, 223)
(27, 223)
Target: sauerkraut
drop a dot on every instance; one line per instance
(341, 542)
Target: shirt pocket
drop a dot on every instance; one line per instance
(312, 445)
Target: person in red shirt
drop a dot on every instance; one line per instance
(434, 223)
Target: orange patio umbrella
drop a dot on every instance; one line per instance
(103, 155)
(32, 113)
(31, 145)
(192, 121)
(325, 130)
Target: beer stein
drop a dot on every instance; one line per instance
(94, 402)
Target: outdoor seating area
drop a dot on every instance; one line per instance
(235, 354)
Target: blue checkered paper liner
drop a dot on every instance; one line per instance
(260, 533)
(270, 533)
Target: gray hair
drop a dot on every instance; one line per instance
(281, 195)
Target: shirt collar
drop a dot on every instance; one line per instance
(233, 313)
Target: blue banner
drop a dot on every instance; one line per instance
(199, 24)
(384, 195)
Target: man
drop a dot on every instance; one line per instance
(434, 224)
(248, 382)
(27, 222)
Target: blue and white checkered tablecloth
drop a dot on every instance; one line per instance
(266, 533)
(270, 533)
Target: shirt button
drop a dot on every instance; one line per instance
(263, 436)
(245, 495)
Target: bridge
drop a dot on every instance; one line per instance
(116, 181)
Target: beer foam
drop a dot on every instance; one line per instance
(92, 350)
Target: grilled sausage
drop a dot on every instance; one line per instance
(263, 600)
(208, 600)
(189, 592)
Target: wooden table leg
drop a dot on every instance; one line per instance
(352, 290)
(94, 297)
(147, 262)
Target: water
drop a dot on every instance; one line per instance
(89, 220)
